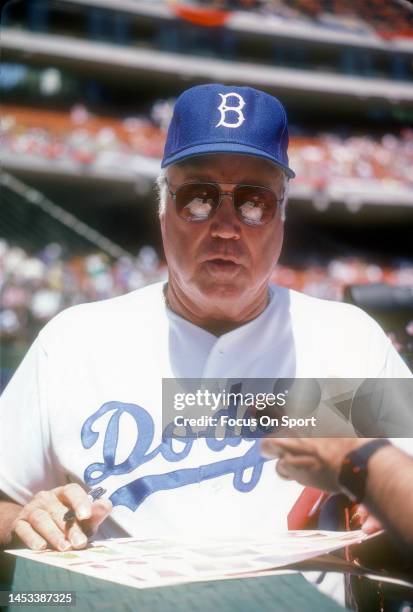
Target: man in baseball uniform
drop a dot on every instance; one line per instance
(84, 408)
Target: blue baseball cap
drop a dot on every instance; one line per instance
(217, 118)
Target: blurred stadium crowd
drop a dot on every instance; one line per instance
(35, 287)
(383, 17)
(386, 18)
(104, 143)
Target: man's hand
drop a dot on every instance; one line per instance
(313, 462)
(362, 519)
(40, 523)
(316, 462)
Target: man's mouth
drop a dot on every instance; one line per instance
(222, 265)
(224, 258)
(224, 262)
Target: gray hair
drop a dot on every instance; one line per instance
(162, 191)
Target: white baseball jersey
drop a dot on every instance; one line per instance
(85, 405)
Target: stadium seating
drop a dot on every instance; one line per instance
(106, 142)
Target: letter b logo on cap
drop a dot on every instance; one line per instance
(225, 108)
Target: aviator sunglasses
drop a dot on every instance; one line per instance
(254, 205)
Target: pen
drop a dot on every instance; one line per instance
(94, 494)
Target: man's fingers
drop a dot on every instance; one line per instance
(71, 529)
(276, 447)
(57, 510)
(42, 523)
(371, 525)
(102, 507)
(76, 536)
(360, 514)
(50, 503)
(28, 536)
(75, 497)
(282, 470)
(292, 467)
(361, 518)
(100, 510)
(78, 533)
(270, 449)
(300, 462)
(45, 526)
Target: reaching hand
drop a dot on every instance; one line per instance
(313, 462)
(316, 462)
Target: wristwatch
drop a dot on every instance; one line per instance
(353, 473)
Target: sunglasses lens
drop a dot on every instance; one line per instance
(255, 205)
(196, 201)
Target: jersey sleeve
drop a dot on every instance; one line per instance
(383, 359)
(394, 365)
(25, 458)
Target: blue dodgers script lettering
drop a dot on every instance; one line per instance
(135, 492)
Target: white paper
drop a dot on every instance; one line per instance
(146, 563)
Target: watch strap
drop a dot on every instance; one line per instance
(353, 473)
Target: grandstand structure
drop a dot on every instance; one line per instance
(88, 86)
(31, 220)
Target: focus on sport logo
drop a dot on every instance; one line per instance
(234, 111)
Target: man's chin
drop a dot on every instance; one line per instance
(223, 290)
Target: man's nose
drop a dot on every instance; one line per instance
(224, 223)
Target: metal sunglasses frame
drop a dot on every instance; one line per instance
(224, 193)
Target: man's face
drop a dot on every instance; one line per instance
(222, 260)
